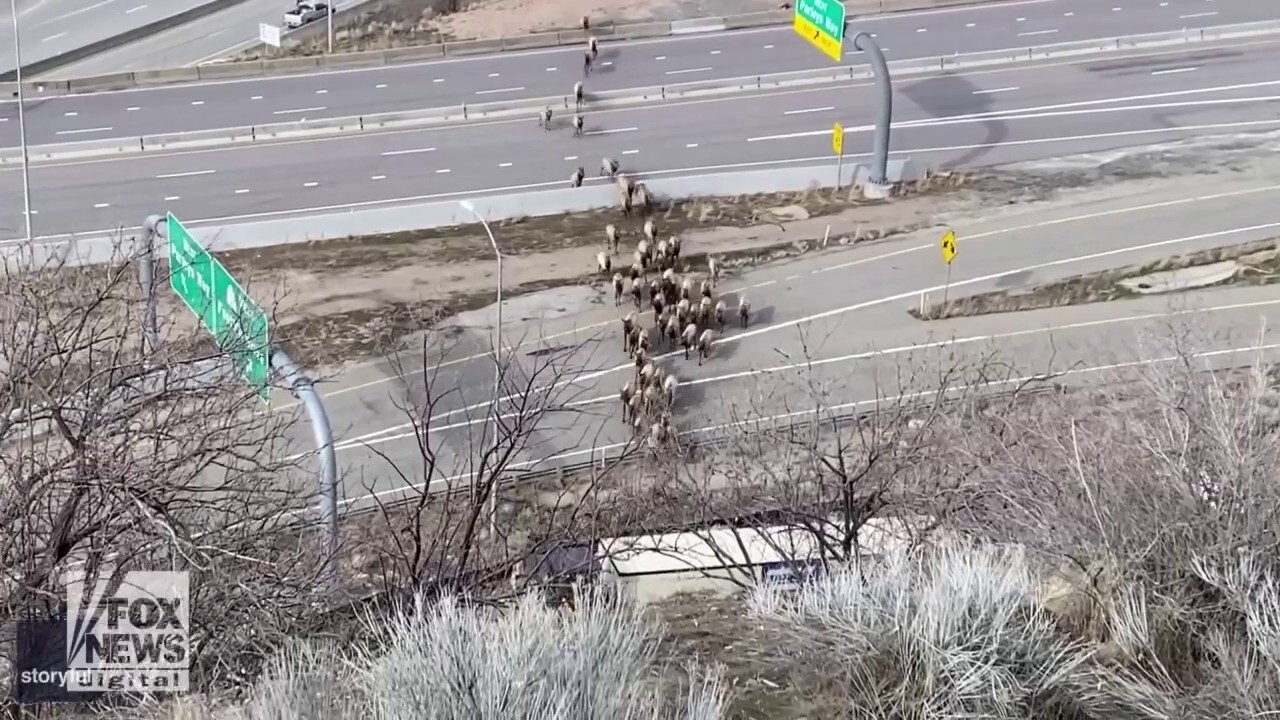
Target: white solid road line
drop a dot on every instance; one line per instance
(871, 303)
(380, 438)
(925, 247)
(590, 453)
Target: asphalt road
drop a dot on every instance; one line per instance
(554, 72)
(220, 35)
(48, 28)
(960, 120)
(838, 322)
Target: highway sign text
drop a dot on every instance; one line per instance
(821, 22)
(224, 308)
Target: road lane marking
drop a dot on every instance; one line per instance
(322, 92)
(551, 69)
(1037, 32)
(193, 173)
(70, 114)
(500, 90)
(690, 70)
(1174, 71)
(1021, 19)
(132, 109)
(606, 64)
(1071, 14)
(630, 152)
(1197, 15)
(310, 184)
(242, 191)
(493, 74)
(969, 25)
(875, 302)
(51, 38)
(661, 57)
(84, 130)
(134, 10)
(197, 102)
(380, 86)
(571, 157)
(809, 110)
(993, 91)
(378, 177)
(920, 30)
(408, 152)
(171, 198)
(256, 97)
(692, 145)
(443, 171)
(715, 52)
(367, 441)
(502, 165)
(102, 205)
(614, 131)
(768, 47)
(294, 111)
(438, 80)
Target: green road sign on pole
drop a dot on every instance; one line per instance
(237, 324)
(821, 22)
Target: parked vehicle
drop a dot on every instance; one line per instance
(305, 13)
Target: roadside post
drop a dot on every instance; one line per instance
(240, 328)
(947, 244)
(837, 147)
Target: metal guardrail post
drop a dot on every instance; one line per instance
(884, 113)
(302, 387)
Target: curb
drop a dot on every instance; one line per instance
(619, 99)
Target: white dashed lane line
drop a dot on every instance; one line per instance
(1174, 71)
(1197, 15)
(294, 111)
(102, 205)
(70, 114)
(256, 97)
(132, 109)
(630, 152)
(242, 191)
(806, 111)
(692, 145)
(504, 165)
(768, 47)
(414, 151)
(570, 157)
(1038, 32)
(172, 198)
(380, 86)
(192, 173)
(500, 90)
(494, 74)
(661, 57)
(197, 102)
(442, 171)
(310, 184)
(715, 52)
(993, 91)
(971, 24)
(83, 131)
(690, 70)
(378, 177)
(134, 10)
(551, 69)
(321, 92)
(51, 38)
(438, 80)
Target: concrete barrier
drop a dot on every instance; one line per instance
(605, 32)
(116, 81)
(623, 98)
(690, 27)
(224, 71)
(91, 248)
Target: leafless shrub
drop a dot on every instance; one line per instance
(950, 632)
(112, 458)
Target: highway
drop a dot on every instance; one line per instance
(207, 39)
(48, 28)
(848, 309)
(535, 74)
(955, 120)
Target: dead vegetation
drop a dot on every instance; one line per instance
(1258, 264)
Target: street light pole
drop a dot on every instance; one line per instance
(331, 10)
(497, 362)
(22, 121)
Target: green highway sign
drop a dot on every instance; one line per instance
(237, 324)
(821, 22)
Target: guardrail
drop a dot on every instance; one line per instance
(606, 32)
(615, 99)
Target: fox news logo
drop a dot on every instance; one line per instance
(136, 638)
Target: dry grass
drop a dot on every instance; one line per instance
(1260, 260)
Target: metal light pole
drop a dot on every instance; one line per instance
(22, 121)
(332, 10)
(884, 112)
(497, 361)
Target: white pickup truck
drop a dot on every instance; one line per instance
(306, 12)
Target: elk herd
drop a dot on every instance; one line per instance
(685, 316)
